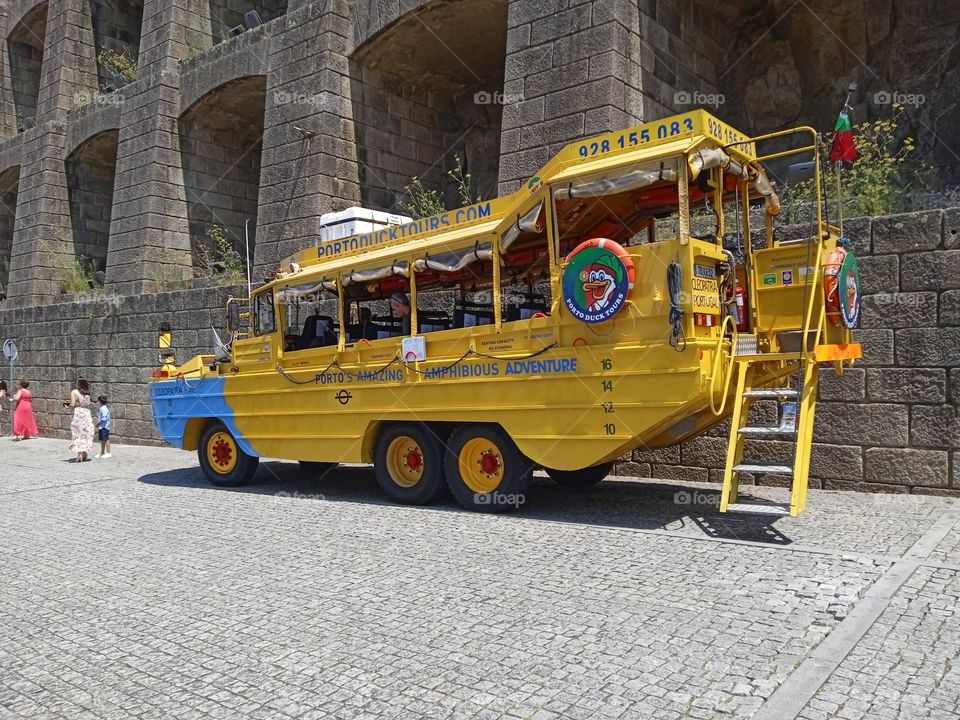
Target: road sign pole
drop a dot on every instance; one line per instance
(10, 351)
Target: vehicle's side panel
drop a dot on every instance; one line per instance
(179, 402)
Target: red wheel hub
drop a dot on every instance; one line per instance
(222, 453)
(489, 463)
(414, 459)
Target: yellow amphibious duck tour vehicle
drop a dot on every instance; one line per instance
(592, 312)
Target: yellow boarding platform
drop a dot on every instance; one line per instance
(618, 300)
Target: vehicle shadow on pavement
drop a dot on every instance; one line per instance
(621, 503)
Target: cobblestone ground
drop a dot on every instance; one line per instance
(131, 588)
(907, 665)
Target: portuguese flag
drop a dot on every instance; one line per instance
(843, 148)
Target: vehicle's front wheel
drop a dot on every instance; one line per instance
(222, 460)
(485, 470)
(408, 463)
(587, 477)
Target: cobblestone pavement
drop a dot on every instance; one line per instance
(131, 588)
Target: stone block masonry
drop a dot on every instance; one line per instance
(111, 341)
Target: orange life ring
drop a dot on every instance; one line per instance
(831, 280)
(841, 288)
(613, 246)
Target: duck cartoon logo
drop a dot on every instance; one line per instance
(595, 284)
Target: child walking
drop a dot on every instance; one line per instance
(103, 427)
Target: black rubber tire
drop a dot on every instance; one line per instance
(317, 469)
(430, 486)
(587, 477)
(242, 472)
(511, 493)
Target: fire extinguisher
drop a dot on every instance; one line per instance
(743, 321)
(735, 299)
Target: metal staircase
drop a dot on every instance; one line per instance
(796, 426)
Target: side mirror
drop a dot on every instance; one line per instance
(799, 172)
(233, 317)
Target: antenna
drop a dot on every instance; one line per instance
(246, 233)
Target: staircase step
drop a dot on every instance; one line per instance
(764, 430)
(764, 469)
(771, 393)
(760, 509)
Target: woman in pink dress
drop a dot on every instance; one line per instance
(24, 423)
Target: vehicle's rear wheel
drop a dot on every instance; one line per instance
(408, 463)
(587, 477)
(317, 469)
(222, 460)
(485, 470)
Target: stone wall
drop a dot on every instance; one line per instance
(595, 67)
(90, 175)
(221, 141)
(385, 105)
(891, 423)
(116, 28)
(24, 63)
(8, 215)
(111, 341)
(419, 101)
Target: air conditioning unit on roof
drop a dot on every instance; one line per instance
(356, 221)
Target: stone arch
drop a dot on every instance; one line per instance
(91, 172)
(9, 184)
(221, 141)
(203, 79)
(19, 9)
(116, 29)
(89, 121)
(370, 17)
(25, 45)
(420, 99)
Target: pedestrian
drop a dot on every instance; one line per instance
(103, 427)
(24, 423)
(81, 427)
(3, 396)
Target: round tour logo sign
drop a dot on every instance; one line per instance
(595, 285)
(848, 287)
